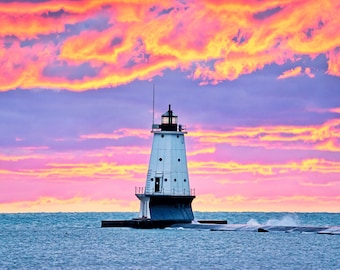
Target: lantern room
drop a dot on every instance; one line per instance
(169, 121)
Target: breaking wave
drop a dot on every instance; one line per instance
(287, 220)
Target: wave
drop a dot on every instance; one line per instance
(287, 220)
(289, 223)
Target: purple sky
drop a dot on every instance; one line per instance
(257, 86)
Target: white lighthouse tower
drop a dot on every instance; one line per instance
(167, 195)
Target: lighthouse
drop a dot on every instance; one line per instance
(167, 195)
(166, 198)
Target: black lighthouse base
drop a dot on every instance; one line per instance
(140, 223)
(165, 211)
(171, 208)
(152, 224)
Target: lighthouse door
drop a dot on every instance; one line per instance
(157, 184)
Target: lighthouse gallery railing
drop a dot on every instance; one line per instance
(142, 190)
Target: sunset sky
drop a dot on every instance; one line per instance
(256, 83)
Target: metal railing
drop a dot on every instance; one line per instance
(139, 190)
(142, 190)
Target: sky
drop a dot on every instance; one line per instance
(256, 83)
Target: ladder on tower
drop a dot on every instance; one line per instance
(148, 188)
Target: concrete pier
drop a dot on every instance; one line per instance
(153, 224)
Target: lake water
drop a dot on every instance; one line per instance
(76, 241)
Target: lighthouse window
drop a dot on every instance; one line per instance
(177, 136)
(165, 179)
(151, 179)
(185, 180)
(179, 160)
(175, 180)
(160, 159)
(162, 135)
(157, 184)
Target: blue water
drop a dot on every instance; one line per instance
(76, 241)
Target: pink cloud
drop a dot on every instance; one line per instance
(213, 41)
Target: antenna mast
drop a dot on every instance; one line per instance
(153, 104)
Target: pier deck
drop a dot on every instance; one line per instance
(152, 224)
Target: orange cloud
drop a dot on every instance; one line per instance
(239, 203)
(213, 40)
(297, 71)
(17, 157)
(115, 162)
(28, 25)
(231, 167)
(204, 202)
(78, 175)
(309, 73)
(75, 204)
(335, 110)
(51, 6)
(58, 169)
(118, 134)
(324, 137)
(66, 171)
(334, 62)
(119, 151)
(291, 73)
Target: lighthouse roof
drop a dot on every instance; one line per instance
(168, 113)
